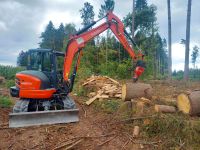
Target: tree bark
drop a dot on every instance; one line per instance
(189, 103)
(187, 44)
(169, 41)
(136, 90)
(133, 20)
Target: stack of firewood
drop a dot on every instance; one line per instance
(105, 86)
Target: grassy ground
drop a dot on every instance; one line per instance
(5, 101)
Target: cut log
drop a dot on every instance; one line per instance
(136, 90)
(189, 103)
(165, 109)
(136, 131)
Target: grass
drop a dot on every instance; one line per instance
(9, 71)
(107, 106)
(174, 130)
(5, 101)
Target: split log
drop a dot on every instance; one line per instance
(165, 109)
(114, 81)
(189, 103)
(91, 100)
(88, 82)
(136, 90)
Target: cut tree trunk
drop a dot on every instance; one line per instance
(165, 109)
(189, 103)
(136, 90)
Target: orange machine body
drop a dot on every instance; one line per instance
(30, 87)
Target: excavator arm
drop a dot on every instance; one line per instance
(78, 41)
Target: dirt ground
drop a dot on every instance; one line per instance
(95, 130)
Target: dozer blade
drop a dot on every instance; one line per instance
(42, 117)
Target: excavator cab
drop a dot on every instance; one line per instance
(47, 61)
(40, 92)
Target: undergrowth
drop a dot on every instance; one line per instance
(107, 106)
(5, 101)
(174, 131)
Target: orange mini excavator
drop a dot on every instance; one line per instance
(43, 89)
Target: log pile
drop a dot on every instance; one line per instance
(104, 86)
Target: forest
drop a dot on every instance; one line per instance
(106, 56)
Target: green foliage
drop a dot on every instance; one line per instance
(9, 71)
(195, 54)
(106, 55)
(87, 14)
(107, 106)
(108, 5)
(141, 4)
(194, 74)
(48, 37)
(22, 59)
(59, 37)
(5, 101)
(69, 30)
(52, 38)
(9, 83)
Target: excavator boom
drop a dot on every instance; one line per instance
(78, 41)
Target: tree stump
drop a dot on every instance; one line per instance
(136, 90)
(189, 103)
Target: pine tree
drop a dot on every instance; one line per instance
(59, 37)
(22, 59)
(48, 37)
(141, 4)
(87, 14)
(108, 5)
(187, 44)
(195, 54)
(169, 41)
(69, 30)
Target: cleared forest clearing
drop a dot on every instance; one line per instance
(106, 124)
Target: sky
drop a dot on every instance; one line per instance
(22, 21)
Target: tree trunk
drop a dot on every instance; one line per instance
(187, 44)
(133, 20)
(189, 103)
(136, 90)
(169, 40)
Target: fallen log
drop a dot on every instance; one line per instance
(189, 103)
(136, 90)
(165, 109)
